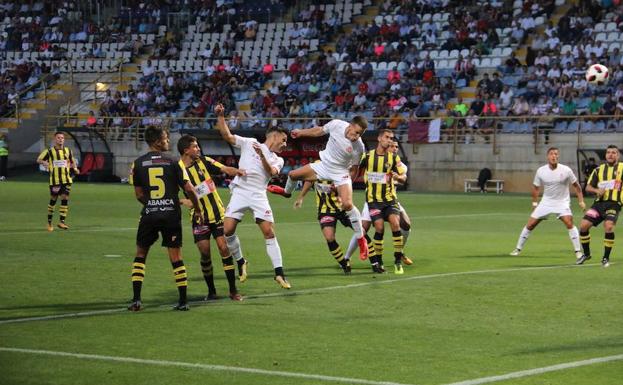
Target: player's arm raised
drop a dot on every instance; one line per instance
(221, 125)
(308, 132)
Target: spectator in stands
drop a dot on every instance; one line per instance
(520, 107)
(506, 97)
(594, 106)
(477, 105)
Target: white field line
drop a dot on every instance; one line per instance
(477, 381)
(189, 365)
(123, 229)
(545, 369)
(283, 293)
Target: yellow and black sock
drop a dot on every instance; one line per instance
(208, 272)
(337, 252)
(138, 275)
(398, 246)
(608, 244)
(51, 210)
(63, 209)
(585, 240)
(230, 272)
(181, 279)
(378, 246)
(371, 253)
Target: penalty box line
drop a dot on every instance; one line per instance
(274, 373)
(189, 365)
(302, 291)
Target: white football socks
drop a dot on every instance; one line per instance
(233, 244)
(523, 237)
(355, 219)
(290, 185)
(574, 235)
(274, 252)
(352, 246)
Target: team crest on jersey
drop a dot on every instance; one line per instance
(349, 149)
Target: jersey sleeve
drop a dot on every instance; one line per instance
(241, 141)
(45, 155)
(277, 163)
(181, 174)
(213, 166)
(331, 126)
(537, 179)
(592, 180)
(134, 178)
(363, 161)
(572, 178)
(400, 167)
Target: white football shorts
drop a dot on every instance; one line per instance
(243, 200)
(339, 177)
(544, 209)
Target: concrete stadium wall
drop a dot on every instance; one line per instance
(436, 168)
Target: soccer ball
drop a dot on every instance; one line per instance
(597, 74)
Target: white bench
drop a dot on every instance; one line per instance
(472, 185)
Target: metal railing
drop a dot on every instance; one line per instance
(454, 130)
(43, 82)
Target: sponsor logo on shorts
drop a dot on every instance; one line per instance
(56, 189)
(374, 212)
(268, 213)
(592, 213)
(611, 212)
(327, 220)
(200, 229)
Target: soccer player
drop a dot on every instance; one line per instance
(198, 168)
(555, 179)
(382, 170)
(59, 160)
(249, 192)
(605, 182)
(329, 213)
(338, 163)
(157, 177)
(405, 224)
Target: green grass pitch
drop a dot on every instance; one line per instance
(464, 312)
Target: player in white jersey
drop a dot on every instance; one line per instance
(248, 192)
(339, 162)
(555, 179)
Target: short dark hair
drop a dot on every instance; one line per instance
(612, 146)
(361, 122)
(382, 132)
(277, 129)
(185, 142)
(153, 134)
(59, 132)
(552, 149)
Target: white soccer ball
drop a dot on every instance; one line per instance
(597, 74)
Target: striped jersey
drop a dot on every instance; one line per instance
(609, 178)
(379, 182)
(209, 200)
(60, 162)
(327, 200)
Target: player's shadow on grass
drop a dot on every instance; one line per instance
(602, 342)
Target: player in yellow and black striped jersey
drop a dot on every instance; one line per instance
(59, 161)
(605, 182)
(329, 213)
(381, 171)
(199, 168)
